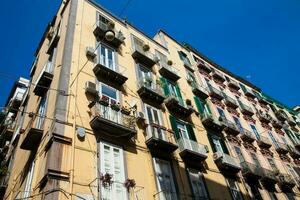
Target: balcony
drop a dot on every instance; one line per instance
(262, 100)
(226, 162)
(192, 152)
(144, 57)
(100, 30)
(168, 71)
(113, 73)
(231, 128)
(214, 92)
(269, 176)
(276, 123)
(44, 80)
(218, 75)
(249, 93)
(251, 170)
(199, 91)
(209, 121)
(296, 143)
(7, 128)
(111, 120)
(246, 110)
(55, 36)
(149, 90)
(15, 102)
(32, 139)
(233, 84)
(264, 117)
(160, 140)
(3, 183)
(247, 136)
(176, 105)
(293, 152)
(264, 142)
(170, 195)
(231, 102)
(202, 66)
(281, 115)
(291, 121)
(285, 180)
(281, 148)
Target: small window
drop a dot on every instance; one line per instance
(254, 130)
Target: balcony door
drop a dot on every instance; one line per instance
(41, 113)
(112, 96)
(239, 154)
(238, 123)
(174, 90)
(145, 76)
(107, 57)
(273, 139)
(112, 162)
(154, 117)
(164, 179)
(221, 114)
(197, 184)
(254, 130)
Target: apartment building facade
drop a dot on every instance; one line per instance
(111, 113)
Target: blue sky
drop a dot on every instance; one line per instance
(257, 40)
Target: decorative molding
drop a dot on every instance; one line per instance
(279, 131)
(234, 91)
(204, 73)
(234, 140)
(266, 152)
(251, 99)
(249, 146)
(284, 158)
(266, 126)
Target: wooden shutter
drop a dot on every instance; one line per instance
(165, 86)
(191, 132)
(174, 126)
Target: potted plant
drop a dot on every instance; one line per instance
(125, 110)
(146, 47)
(188, 102)
(104, 101)
(106, 179)
(170, 62)
(115, 106)
(129, 183)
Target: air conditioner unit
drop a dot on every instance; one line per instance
(140, 117)
(90, 52)
(91, 88)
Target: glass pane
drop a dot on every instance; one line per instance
(110, 59)
(109, 92)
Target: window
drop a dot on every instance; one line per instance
(145, 75)
(238, 123)
(184, 58)
(221, 113)
(234, 189)
(164, 179)
(162, 58)
(197, 183)
(254, 158)
(272, 164)
(109, 92)
(255, 131)
(41, 113)
(102, 19)
(29, 179)
(272, 138)
(172, 89)
(239, 154)
(217, 143)
(112, 162)
(154, 117)
(107, 57)
(292, 171)
(272, 195)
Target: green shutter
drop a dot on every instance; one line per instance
(191, 132)
(211, 142)
(199, 105)
(165, 86)
(174, 127)
(181, 56)
(179, 95)
(208, 108)
(224, 147)
(243, 88)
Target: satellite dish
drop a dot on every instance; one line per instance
(81, 132)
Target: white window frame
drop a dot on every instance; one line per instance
(203, 190)
(106, 63)
(112, 189)
(235, 192)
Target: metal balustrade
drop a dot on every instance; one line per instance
(227, 162)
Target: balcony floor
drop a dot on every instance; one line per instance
(155, 144)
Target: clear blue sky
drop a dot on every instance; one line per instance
(257, 40)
